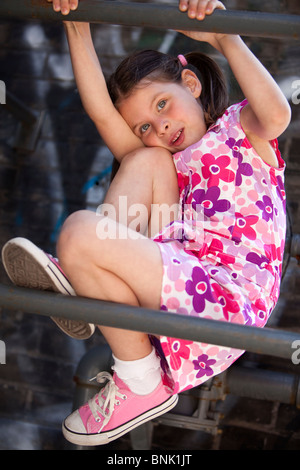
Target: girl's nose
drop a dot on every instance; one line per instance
(163, 126)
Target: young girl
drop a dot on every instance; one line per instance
(218, 171)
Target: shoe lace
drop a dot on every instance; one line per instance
(104, 402)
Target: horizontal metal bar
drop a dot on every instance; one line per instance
(263, 384)
(159, 16)
(250, 382)
(267, 341)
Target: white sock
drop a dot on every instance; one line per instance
(141, 376)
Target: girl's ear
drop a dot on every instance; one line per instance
(191, 81)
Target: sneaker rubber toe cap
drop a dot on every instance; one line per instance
(73, 424)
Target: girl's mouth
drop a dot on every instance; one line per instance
(177, 138)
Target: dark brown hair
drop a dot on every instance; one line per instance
(163, 67)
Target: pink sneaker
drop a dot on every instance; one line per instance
(28, 266)
(114, 411)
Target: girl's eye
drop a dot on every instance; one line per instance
(144, 128)
(161, 104)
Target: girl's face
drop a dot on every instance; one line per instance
(166, 114)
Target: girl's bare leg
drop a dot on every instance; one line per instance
(109, 261)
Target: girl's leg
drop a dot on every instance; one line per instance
(146, 181)
(125, 271)
(109, 261)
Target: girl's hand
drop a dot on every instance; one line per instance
(198, 9)
(64, 6)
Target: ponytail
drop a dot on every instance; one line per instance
(214, 95)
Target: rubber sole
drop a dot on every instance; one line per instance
(28, 266)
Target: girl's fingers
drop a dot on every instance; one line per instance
(194, 7)
(199, 8)
(203, 8)
(56, 5)
(214, 5)
(64, 6)
(74, 4)
(183, 5)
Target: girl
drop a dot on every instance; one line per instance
(218, 171)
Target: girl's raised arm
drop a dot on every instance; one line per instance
(268, 113)
(92, 87)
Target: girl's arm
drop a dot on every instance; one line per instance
(268, 113)
(92, 87)
(94, 94)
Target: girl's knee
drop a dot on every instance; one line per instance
(72, 235)
(148, 159)
(153, 165)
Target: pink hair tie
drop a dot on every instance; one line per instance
(182, 60)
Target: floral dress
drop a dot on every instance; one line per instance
(222, 257)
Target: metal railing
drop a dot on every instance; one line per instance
(159, 16)
(267, 341)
